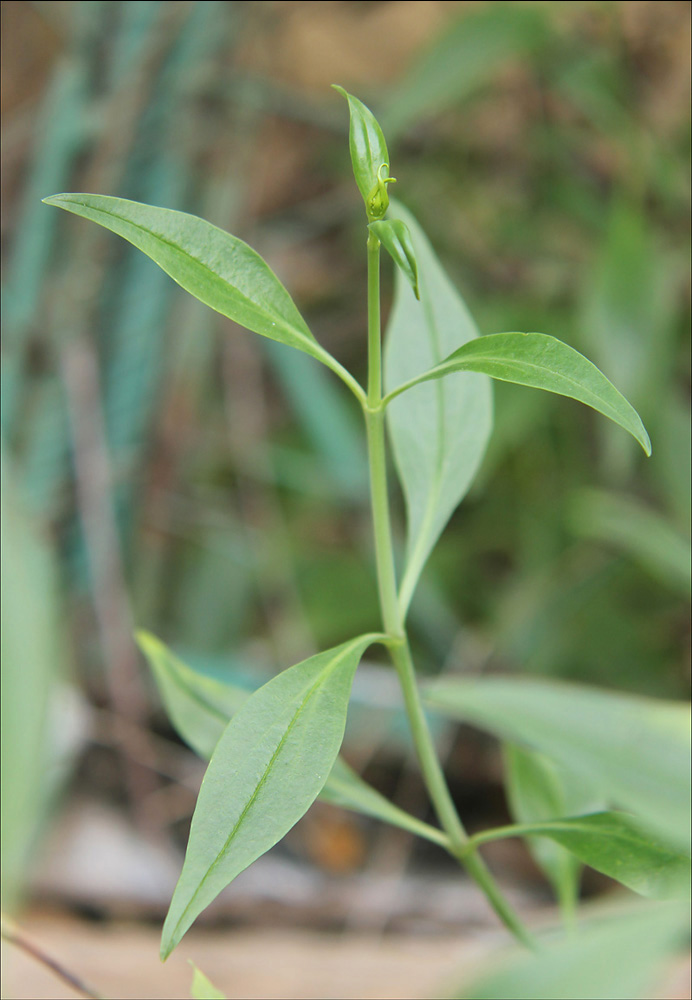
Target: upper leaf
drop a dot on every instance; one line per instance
(543, 362)
(369, 156)
(269, 766)
(217, 268)
(440, 431)
(634, 750)
(616, 845)
(394, 236)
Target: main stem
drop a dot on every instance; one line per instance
(393, 622)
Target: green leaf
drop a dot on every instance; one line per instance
(616, 845)
(440, 431)
(217, 268)
(347, 790)
(620, 957)
(635, 750)
(536, 792)
(269, 766)
(395, 237)
(202, 988)
(198, 706)
(642, 533)
(369, 156)
(542, 362)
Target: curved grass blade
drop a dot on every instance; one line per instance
(269, 766)
(440, 431)
(540, 361)
(616, 845)
(217, 268)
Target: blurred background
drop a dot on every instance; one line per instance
(164, 469)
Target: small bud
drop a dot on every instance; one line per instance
(377, 201)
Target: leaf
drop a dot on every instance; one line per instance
(269, 766)
(217, 268)
(202, 988)
(368, 154)
(635, 529)
(198, 706)
(469, 52)
(394, 236)
(535, 792)
(635, 750)
(616, 845)
(347, 790)
(616, 958)
(440, 431)
(542, 362)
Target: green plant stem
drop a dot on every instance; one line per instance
(374, 334)
(374, 422)
(461, 847)
(393, 620)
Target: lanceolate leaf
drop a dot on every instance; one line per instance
(198, 706)
(616, 845)
(217, 268)
(634, 750)
(542, 362)
(440, 431)
(394, 236)
(368, 149)
(267, 769)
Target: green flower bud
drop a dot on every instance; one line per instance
(377, 202)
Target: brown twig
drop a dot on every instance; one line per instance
(11, 933)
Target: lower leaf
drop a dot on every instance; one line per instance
(269, 766)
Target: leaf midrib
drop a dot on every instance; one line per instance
(300, 334)
(513, 362)
(332, 665)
